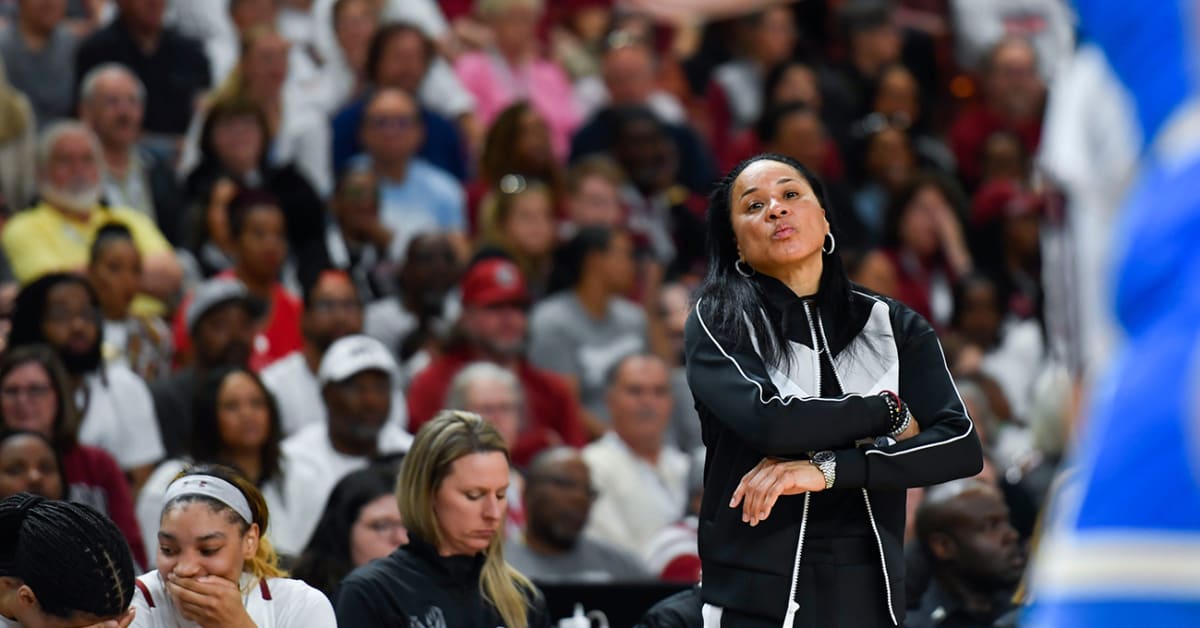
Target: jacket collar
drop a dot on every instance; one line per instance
(459, 569)
(782, 302)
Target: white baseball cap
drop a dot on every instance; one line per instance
(352, 355)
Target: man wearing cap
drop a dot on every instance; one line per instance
(356, 377)
(220, 321)
(332, 310)
(492, 327)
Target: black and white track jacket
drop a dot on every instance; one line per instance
(749, 411)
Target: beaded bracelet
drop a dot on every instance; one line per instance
(898, 410)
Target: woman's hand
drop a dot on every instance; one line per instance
(121, 622)
(768, 480)
(211, 601)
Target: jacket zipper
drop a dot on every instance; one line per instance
(816, 350)
(793, 605)
(887, 585)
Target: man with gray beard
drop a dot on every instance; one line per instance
(54, 236)
(356, 376)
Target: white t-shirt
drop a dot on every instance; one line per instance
(273, 603)
(150, 503)
(311, 468)
(298, 395)
(637, 499)
(119, 417)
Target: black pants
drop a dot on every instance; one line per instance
(840, 585)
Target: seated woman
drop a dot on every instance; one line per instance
(216, 566)
(361, 523)
(34, 398)
(142, 343)
(923, 236)
(235, 423)
(62, 564)
(29, 465)
(234, 154)
(518, 222)
(298, 135)
(116, 411)
(452, 491)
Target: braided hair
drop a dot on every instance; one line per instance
(73, 558)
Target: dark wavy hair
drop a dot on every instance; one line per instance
(326, 560)
(733, 299)
(206, 445)
(65, 432)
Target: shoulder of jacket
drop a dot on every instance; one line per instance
(906, 322)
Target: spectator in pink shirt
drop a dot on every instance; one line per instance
(514, 69)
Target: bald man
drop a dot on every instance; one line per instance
(976, 557)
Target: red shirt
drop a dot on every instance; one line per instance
(277, 336)
(970, 131)
(95, 479)
(552, 412)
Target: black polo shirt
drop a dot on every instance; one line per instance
(174, 74)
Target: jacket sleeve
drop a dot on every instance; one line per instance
(732, 383)
(947, 447)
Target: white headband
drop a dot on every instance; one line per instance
(210, 486)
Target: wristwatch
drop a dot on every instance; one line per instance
(826, 461)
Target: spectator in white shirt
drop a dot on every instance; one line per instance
(62, 310)
(332, 310)
(356, 378)
(641, 480)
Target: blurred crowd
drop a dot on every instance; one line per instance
(281, 235)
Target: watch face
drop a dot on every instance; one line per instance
(823, 456)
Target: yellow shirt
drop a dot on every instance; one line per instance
(43, 240)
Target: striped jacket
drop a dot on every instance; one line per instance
(749, 411)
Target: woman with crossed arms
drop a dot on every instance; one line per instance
(821, 402)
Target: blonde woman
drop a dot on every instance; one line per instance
(452, 492)
(216, 568)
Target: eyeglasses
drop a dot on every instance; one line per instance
(385, 526)
(33, 392)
